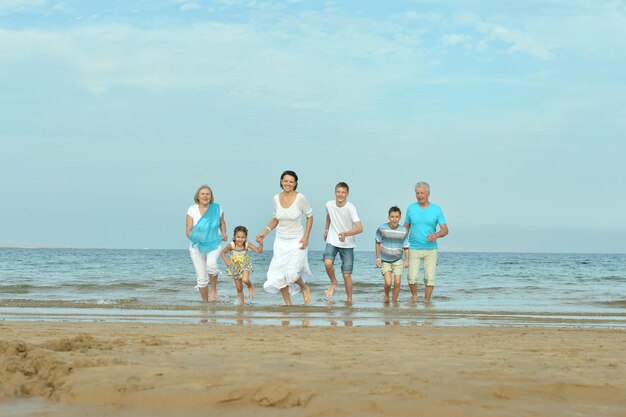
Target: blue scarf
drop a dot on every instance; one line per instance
(205, 232)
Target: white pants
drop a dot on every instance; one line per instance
(205, 264)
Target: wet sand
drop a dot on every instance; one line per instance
(131, 369)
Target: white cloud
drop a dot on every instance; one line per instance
(20, 5)
(191, 6)
(519, 42)
(599, 31)
(304, 63)
(455, 39)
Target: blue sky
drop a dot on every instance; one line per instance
(113, 113)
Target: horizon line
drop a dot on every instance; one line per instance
(321, 250)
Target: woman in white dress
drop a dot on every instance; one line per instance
(289, 268)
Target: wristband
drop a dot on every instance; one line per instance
(268, 228)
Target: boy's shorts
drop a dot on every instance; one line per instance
(396, 268)
(346, 255)
(429, 257)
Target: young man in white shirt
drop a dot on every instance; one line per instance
(342, 223)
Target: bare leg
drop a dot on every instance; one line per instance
(204, 293)
(305, 291)
(239, 286)
(347, 282)
(213, 279)
(245, 276)
(387, 278)
(396, 287)
(428, 292)
(285, 292)
(330, 270)
(413, 288)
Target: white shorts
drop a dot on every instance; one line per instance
(429, 257)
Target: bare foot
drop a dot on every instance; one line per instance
(306, 294)
(251, 292)
(386, 299)
(414, 298)
(213, 295)
(331, 290)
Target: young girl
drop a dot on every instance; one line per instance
(239, 266)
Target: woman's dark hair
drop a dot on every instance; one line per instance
(290, 173)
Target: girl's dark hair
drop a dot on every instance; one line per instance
(240, 229)
(291, 173)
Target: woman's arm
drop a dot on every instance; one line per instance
(267, 230)
(189, 226)
(307, 232)
(223, 228)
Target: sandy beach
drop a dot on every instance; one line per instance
(117, 369)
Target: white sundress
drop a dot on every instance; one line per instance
(289, 262)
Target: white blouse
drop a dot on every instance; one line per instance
(289, 219)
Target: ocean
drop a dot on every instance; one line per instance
(473, 289)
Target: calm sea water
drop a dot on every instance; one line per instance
(584, 290)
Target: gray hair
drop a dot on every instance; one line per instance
(422, 184)
(196, 197)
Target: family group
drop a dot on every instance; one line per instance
(397, 246)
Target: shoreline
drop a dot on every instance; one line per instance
(316, 316)
(142, 369)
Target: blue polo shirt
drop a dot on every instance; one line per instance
(423, 222)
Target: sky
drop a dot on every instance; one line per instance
(113, 113)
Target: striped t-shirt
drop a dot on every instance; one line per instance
(392, 242)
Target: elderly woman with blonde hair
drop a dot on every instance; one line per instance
(206, 229)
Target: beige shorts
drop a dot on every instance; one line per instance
(416, 257)
(397, 267)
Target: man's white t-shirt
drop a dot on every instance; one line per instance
(342, 219)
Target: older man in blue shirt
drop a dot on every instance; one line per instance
(422, 219)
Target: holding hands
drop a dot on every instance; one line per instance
(261, 236)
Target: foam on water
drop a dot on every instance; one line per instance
(158, 285)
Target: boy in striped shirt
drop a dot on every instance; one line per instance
(392, 241)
